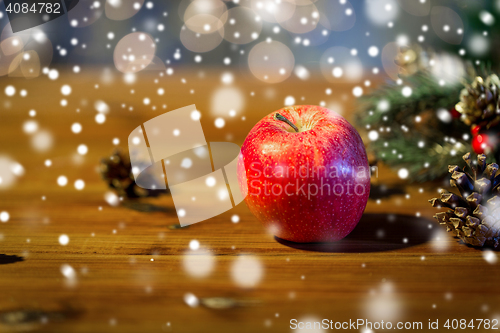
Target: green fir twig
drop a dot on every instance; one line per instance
(424, 147)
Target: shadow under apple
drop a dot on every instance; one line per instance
(375, 233)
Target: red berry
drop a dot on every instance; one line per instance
(480, 143)
(455, 113)
(475, 130)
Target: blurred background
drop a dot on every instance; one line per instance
(307, 28)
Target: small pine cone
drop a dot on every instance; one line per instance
(116, 170)
(474, 214)
(411, 60)
(480, 102)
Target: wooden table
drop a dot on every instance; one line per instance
(129, 273)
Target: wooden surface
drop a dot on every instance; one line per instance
(129, 267)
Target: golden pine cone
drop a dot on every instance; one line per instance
(474, 214)
(479, 102)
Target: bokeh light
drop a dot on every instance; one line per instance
(338, 64)
(122, 9)
(271, 61)
(134, 52)
(247, 271)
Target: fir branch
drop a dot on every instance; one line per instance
(405, 143)
(427, 93)
(423, 164)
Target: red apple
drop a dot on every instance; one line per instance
(305, 173)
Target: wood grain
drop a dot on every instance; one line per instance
(129, 264)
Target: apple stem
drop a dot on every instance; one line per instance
(279, 117)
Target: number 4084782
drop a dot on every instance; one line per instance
(472, 324)
(39, 8)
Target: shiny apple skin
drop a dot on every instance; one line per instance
(281, 193)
